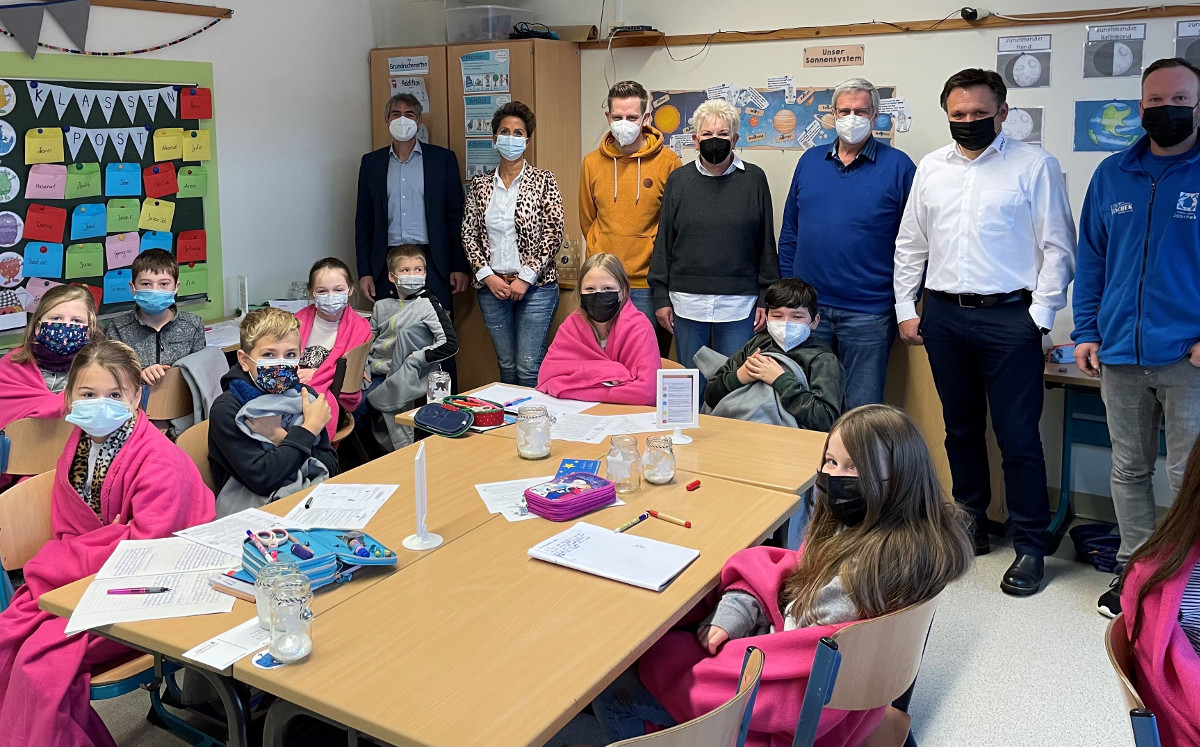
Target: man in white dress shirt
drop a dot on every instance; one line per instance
(989, 222)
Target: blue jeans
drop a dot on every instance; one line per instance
(624, 707)
(518, 330)
(364, 407)
(862, 343)
(724, 337)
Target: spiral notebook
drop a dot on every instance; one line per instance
(623, 557)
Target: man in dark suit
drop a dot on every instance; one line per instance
(410, 193)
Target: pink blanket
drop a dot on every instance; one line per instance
(353, 330)
(1166, 667)
(45, 676)
(576, 367)
(689, 682)
(23, 392)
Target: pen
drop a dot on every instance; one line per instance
(140, 590)
(633, 523)
(261, 548)
(308, 503)
(672, 519)
(517, 401)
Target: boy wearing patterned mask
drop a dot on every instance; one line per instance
(813, 396)
(157, 331)
(267, 433)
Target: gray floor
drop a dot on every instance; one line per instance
(998, 670)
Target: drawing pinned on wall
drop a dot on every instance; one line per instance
(482, 157)
(10, 184)
(899, 112)
(1114, 51)
(485, 71)
(1024, 61)
(478, 111)
(1187, 41)
(8, 98)
(1106, 126)
(8, 138)
(1025, 124)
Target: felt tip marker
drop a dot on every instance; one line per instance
(517, 401)
(632, 523)
(140, 590)
(672, 519)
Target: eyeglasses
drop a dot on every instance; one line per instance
(856, 112)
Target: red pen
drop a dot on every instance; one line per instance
(140, 590)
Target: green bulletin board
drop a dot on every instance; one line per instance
(124, 216)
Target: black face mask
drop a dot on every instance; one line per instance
(843, 496)
(1168, 125)
(715, 149)
(975, 135)
(602, 306)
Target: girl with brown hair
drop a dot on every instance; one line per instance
(883, 537)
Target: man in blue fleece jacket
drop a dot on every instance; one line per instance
(1137, 297)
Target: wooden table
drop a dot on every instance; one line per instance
(481, 644)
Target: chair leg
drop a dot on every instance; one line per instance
(280, 715)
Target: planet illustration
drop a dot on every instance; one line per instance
(1192, 52)
(1113, 126)
(1018, 125)
(8, 138)
(666, 119)
(784, 121)
(1113, 58)
(1025, 70)
(754, 121)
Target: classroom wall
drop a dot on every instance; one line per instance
(292, 117)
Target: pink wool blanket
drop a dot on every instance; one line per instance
(353, 330)
(689, 682)
(576, 367)
(23, 392)
(152, 489)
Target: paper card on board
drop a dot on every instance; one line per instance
(84, 261)
(46, 181)
(43, 223)
(157, 215)
(160, 180)
(123, 215)
(116, 286)
(168, 143)
(43, 259)
(89, 221)
(195, 103)
(193, 181)
(83, 180)
(191, 247)
(193, 279)
(121, 249)
(157, 240)
(122, 180)
(44, 145)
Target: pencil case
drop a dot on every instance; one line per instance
(486, 413)
(333, 559)
(570, 496)
(442, 419)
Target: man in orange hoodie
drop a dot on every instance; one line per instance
(620, 191)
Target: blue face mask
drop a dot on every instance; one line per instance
(99, 417)
(510, 146)
(153, 301)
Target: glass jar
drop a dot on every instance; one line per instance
(263, 580)
(437, 386)
(291, 618)
(623, 465)
(533, 432)
(658, 463)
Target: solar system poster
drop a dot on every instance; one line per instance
(1187, 41)
(1114, 51)
(792, 119)
(1024, 61)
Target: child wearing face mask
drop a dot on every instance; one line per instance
(413, 334)
(606, 350)
(883, 537)
(267, 435)
(329, 328)
(813, 397)
(159, 332)
(118, 478)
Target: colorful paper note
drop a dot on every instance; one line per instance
(168, 143)
(116, 286)
(45, 223)
(123, 180)
(88, 221)
(156, 240)
(193, 181)
(43, 259)
(83, 180)
(121, 249)
(44, 145)
(160, 180)
(123, 215)
(84, 261)
(195, 103)
(197, 145)
(157, 215)
(46, 181)
(191, 247)
(33, 291)
(193, 279)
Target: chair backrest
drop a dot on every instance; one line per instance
(668, 363)
(348, 377)
(880, 657)
(1116, 643)
(171, 397)
(25, 520)
(194, 442)
(724, 726)
(36, 444)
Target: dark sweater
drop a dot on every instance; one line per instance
(181, 336)
(231, 453)
(816, 406)
(715, 236)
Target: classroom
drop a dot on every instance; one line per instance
(583, 372)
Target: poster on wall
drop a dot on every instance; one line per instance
(1187, 41)
(478, 111)
(1024, 61)
(792, 118)
(1114, 51)
(485, 71)
(1107, 126)
(482, 157)
(1025, 124)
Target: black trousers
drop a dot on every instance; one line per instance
(991, 358)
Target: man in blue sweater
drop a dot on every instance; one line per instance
(839, 234)
(1137, 320)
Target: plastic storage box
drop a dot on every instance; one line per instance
(482, 22)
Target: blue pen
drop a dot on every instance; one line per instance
(517, 401)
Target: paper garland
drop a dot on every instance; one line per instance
(119, 137)
(86, 98)
(155, 48)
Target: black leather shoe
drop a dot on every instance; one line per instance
(1024, 576)
(982, 545)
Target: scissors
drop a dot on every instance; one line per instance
(271, 538)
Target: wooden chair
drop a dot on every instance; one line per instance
(35, 444)
(864, 666)
(170, 398)
(668, 363)
(194, 442)
(726, 725)
(1141, 719)
(24, 527)
(347, 379)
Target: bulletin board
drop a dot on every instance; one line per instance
(101, 159)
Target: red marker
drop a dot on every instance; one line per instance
(672, 519)
(693, 485)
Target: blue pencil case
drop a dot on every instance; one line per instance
(333, 559)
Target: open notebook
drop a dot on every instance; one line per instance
(627, 558)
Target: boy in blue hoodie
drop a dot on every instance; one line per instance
(1137, 320)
